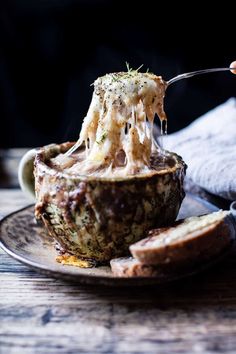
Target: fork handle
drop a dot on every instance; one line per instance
(193, 73)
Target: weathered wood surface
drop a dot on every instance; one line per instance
(43, 315)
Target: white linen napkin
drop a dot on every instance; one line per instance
(208, 146)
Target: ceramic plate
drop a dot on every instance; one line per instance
(27, 242)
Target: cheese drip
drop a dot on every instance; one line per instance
(118, 129)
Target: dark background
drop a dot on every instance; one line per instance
(51, 51)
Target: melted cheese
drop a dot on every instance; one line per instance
(117, 131)
(74, 261)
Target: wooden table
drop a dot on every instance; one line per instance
(39, 314)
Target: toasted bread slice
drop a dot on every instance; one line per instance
(130, 267)
(190, 240)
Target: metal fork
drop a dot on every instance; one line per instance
(198, 72)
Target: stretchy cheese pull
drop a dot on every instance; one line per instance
(118, 130)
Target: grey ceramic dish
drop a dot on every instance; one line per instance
(98, 218)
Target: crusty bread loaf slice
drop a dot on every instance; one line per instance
(189, 240)
(183, 248)
(130, 267)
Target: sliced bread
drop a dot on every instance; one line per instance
(130, 267)
(189, 240)
(185, 247)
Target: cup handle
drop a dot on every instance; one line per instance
(26, 173)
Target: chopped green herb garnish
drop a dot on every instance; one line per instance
(131, 70)
(102, 138)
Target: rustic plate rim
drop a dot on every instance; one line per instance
(92, 279)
